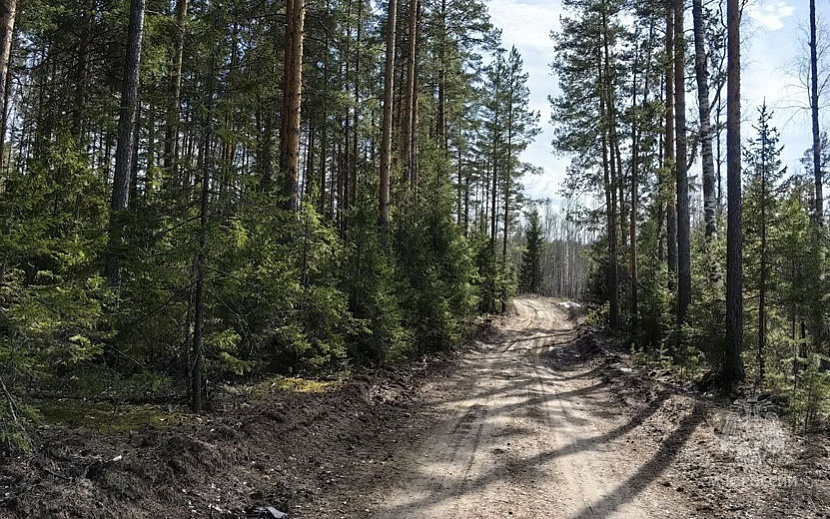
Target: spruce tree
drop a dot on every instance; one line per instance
(530, 273)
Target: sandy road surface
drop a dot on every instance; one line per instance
(526, 430)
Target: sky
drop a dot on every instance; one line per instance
(773, 34)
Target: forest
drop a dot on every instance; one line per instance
(200, 199)
(207, 192)
(711, 253)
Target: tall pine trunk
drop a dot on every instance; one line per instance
(292, 103)
(386, 123)
(632, 228)
(124, 149)
(733, 370)
(408, 124)
(684, 262)
(609, 175)
(196, 379)
(356, 112)
(819, 200)
(171, 131)
(669, 190)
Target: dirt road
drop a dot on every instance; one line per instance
(525, 429)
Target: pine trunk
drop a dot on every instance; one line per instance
(733, 370)
(610, 177)
(819, 200)
(293, 104)
(171, 132)
(684, 262)
(124, 148)
(669, 190)
(386, 123)
(408, 126)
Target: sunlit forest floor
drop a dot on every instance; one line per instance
(537, 418)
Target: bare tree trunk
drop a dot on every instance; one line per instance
(441, 119)
(819, 201)
(81, 70)
(609, 175)
(408, 126)
(356, 114)
(508, 173)
(762, 289)
(684, 262)
(708, 164)
(733, 370)
(669, 191)
(6, 92)
(293, 103)
(171, 132)
(201, 260)
(632, 229)
(124, 148)
(8, 14)
(324, 141)
(386, 124)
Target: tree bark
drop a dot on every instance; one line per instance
(441, 118)
(609, 176)
(386, 123)
(705, 136)
(818, 177)
(408, 126)
(669, 191)
(81, 71)
(762, 289)
(684, 262)
(124, 149)
(356, 113)
(733, 370)
(632, 229)
(293, 103)
(8, 14)
(196, 390)
(7, 20)
(508, 172)
(171, 132)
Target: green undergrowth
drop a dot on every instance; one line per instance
(105, 418)
(297, 385)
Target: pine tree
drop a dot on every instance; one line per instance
(732, 369)
(584, 117)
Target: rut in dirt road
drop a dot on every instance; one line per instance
(527, 431)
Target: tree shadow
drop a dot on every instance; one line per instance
(635, 484)
(647, 473)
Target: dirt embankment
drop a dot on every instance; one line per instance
(531, 421)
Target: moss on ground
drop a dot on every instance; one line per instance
(105, 418)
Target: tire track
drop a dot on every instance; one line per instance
(519, 436)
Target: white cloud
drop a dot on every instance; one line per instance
(527, 25)
(770, 14)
